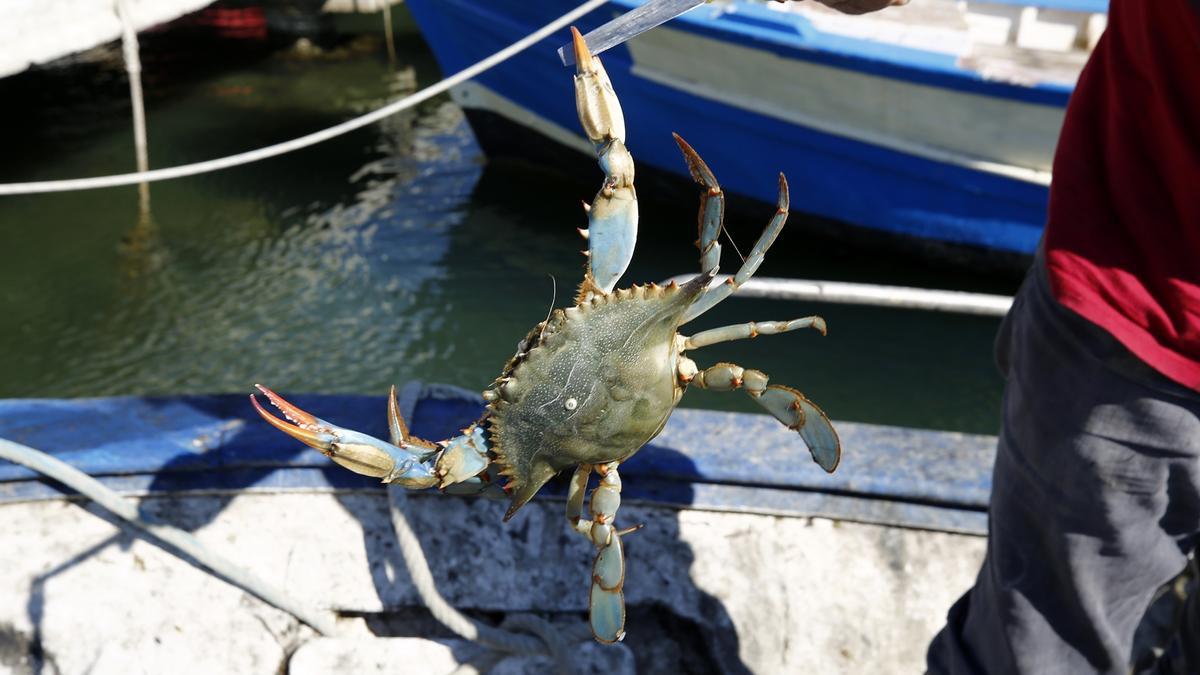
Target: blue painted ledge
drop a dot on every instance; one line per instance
(703, 459)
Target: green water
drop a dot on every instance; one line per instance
(393, 253)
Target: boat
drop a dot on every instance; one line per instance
(935, 121)
(752, 558)
(43, 32)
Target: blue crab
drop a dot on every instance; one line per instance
(593, 383)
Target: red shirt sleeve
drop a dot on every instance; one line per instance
(1122, 240)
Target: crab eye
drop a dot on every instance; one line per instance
(571, 404)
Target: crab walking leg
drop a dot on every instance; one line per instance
(606, 602)
(613, 214)
(784, 403)
(718, 293)
(749, 330)
(712, 208)
(576, 491)
(407, 461)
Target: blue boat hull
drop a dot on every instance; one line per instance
(831, 175)
(908, 477)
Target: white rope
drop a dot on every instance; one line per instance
(175, 538)
(464, 626)
(133, 67)
(874, 295)
(313, 138)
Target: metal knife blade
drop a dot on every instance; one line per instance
(629, 24)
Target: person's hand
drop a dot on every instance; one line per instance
(859, 6)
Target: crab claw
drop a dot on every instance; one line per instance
(613, 214)
(358, 452)
(597, 104)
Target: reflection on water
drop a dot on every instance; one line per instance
(389, 254)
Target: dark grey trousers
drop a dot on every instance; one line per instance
(1095, 501)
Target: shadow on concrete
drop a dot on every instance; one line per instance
(533, 564)
(38, 657)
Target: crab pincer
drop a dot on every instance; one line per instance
(402, 463)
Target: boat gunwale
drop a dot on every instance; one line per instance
(703, 460)
(797, 38)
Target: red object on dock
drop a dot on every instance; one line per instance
(247, 23)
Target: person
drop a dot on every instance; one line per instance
(1096, 487)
